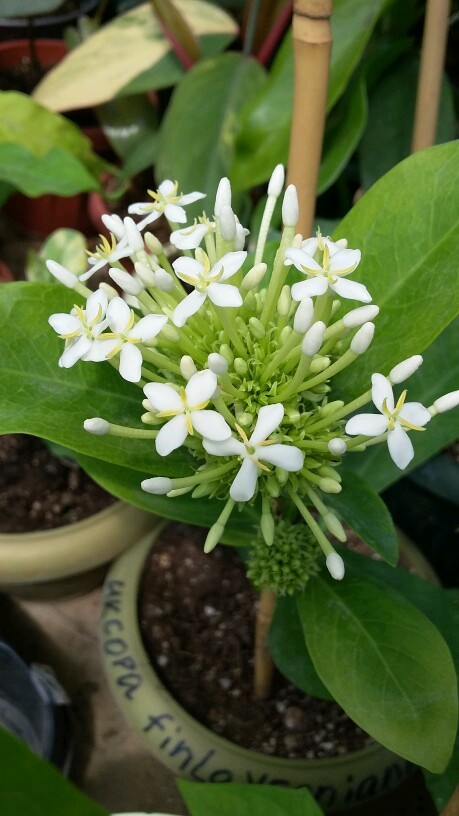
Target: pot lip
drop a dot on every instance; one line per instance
(56, 532)
(40, 42)
(50, 19)
(130, 567)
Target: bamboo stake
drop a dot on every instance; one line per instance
(312, 39)
(263, 662)
(452, 807)
(430, 74)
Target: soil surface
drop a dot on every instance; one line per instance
(39, 491)
(197, 617)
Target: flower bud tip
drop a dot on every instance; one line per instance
(335, 566)
(97, 426)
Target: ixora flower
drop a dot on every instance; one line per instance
(207, 282)
(165, 200)
(126, 334)
(396, 419)
(258, 447)
(337, 263)
(81, 329)
(187, 409)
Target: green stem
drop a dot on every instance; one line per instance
(312, 524)
(280, 272)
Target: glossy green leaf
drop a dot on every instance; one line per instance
(343, 130)
(363, 510)
(289, 652)
(246, 800)
(42, 152)
(264, 123)
(32, 787)
(387, 138)
(224, 82)
(131, 127)
(131, 44)
(386, 664)
(430, 381)
(66, 246)
(407, 226)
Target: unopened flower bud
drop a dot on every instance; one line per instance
(245, 419)
(290, 207)
(145, 274)
(240, 366)
(331, 407)
(109, 290)
(319, 364)
(329, 485)
(170, 333)
(114, 224)
(267, 528)
(363, 338)
(337, 446)
(213, 537)
(334, 526)
(329, 473)
(97, 426)
(276, 182)
(357, 317)
(223, 196)
(405, 369)
(62, 274)
(253, 277)
(273, 487)
(125, 281)
(187, 367)
(447, 402)
(256, 327)
(226, 352)
(227, 223)
(217, 363)
(313, 338)
(285, 334)
(153, 243)
(159, 485)
(335, 566)
(202, 490)
(284, 301)
(303, 316)
(133, 235)
(164, 281)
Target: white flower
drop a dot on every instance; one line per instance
(187, 411)
(126, 335)
(191, 237)
(207, 282)
(393, 419)
(257, 448)
(81, 329)
(107, 252)
(336, 264)
(165, 200)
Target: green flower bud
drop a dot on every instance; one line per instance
(330, 486)
(331, 408)
(285, 299)
(256, 328)
(226, 352)
(272, 486)
(319, 364)
(213, 537)
(240, 366)
(334, 526)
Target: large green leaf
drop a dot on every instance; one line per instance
(32, 787)
(387, 138)
(246, 800)
(105, 64)
(366, 514)
(385, 663)
(438, 375)
(224, 82)
(407, 226)
(131, 126)
(42, 152)
(264, 123)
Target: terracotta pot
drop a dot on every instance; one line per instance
(46, 25)
(72, 559)
(191, 750)
(6, 275)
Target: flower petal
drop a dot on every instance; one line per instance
(302, 260)
(172, 435)
(187, 267)
(224, 294)
(166, 188)
(200, 388)
(100, 349)
(118, 314)
(163, 397)
(188, 307)
(175, 214)
(130, 362)
(415, 413)
(189, 238)
(190, 198)
(366, 424)
(148, 327)
(211, 425)
(231, 263)
(400, 446)
(310, 246)
(96, 302)
(229, 447)
(345, 261)
(269, 418)
(64, 323)
(309, 287)
(245, 482)
(75, 351)
(381, 390)
(287, 457)
(352, 290)
(152, 216)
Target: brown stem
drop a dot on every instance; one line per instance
(452, 807)
(312, 39)
(430, 74)
(263, 662)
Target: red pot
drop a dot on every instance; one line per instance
(6, 275)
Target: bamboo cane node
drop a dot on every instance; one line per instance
(313, 16)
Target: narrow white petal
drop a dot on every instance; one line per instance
(148, 327)
(366, 424)
(188, 307)
(152, 216)
(224, 294)
(62, 274)
(132, 234)
(64, 323)
(188, 267)
(118, 314)
(310, 246)
(231, 263)
(114, 224)
(175, 214)
(200, 387)
(163, 397)
(189, 238)
(190, 198)
(172, 435)
(269, 418)
(345, 259)
(125, 281)
(381, 390)
(400, 446)
(138, 208)
(97, 302)
(130, 363)
(100, 349)
(158, 485)
(352, 290)
(229, 447)
(287, 457)
(302, 260)
(415, 413)
(74, 352)
(245, 482)
(310, 287)
(211, 425)
(166, 188)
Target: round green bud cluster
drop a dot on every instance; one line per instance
(287, 565)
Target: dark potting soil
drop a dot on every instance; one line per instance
(39, 491)
(197, 617)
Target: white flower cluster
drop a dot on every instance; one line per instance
(239, 372)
